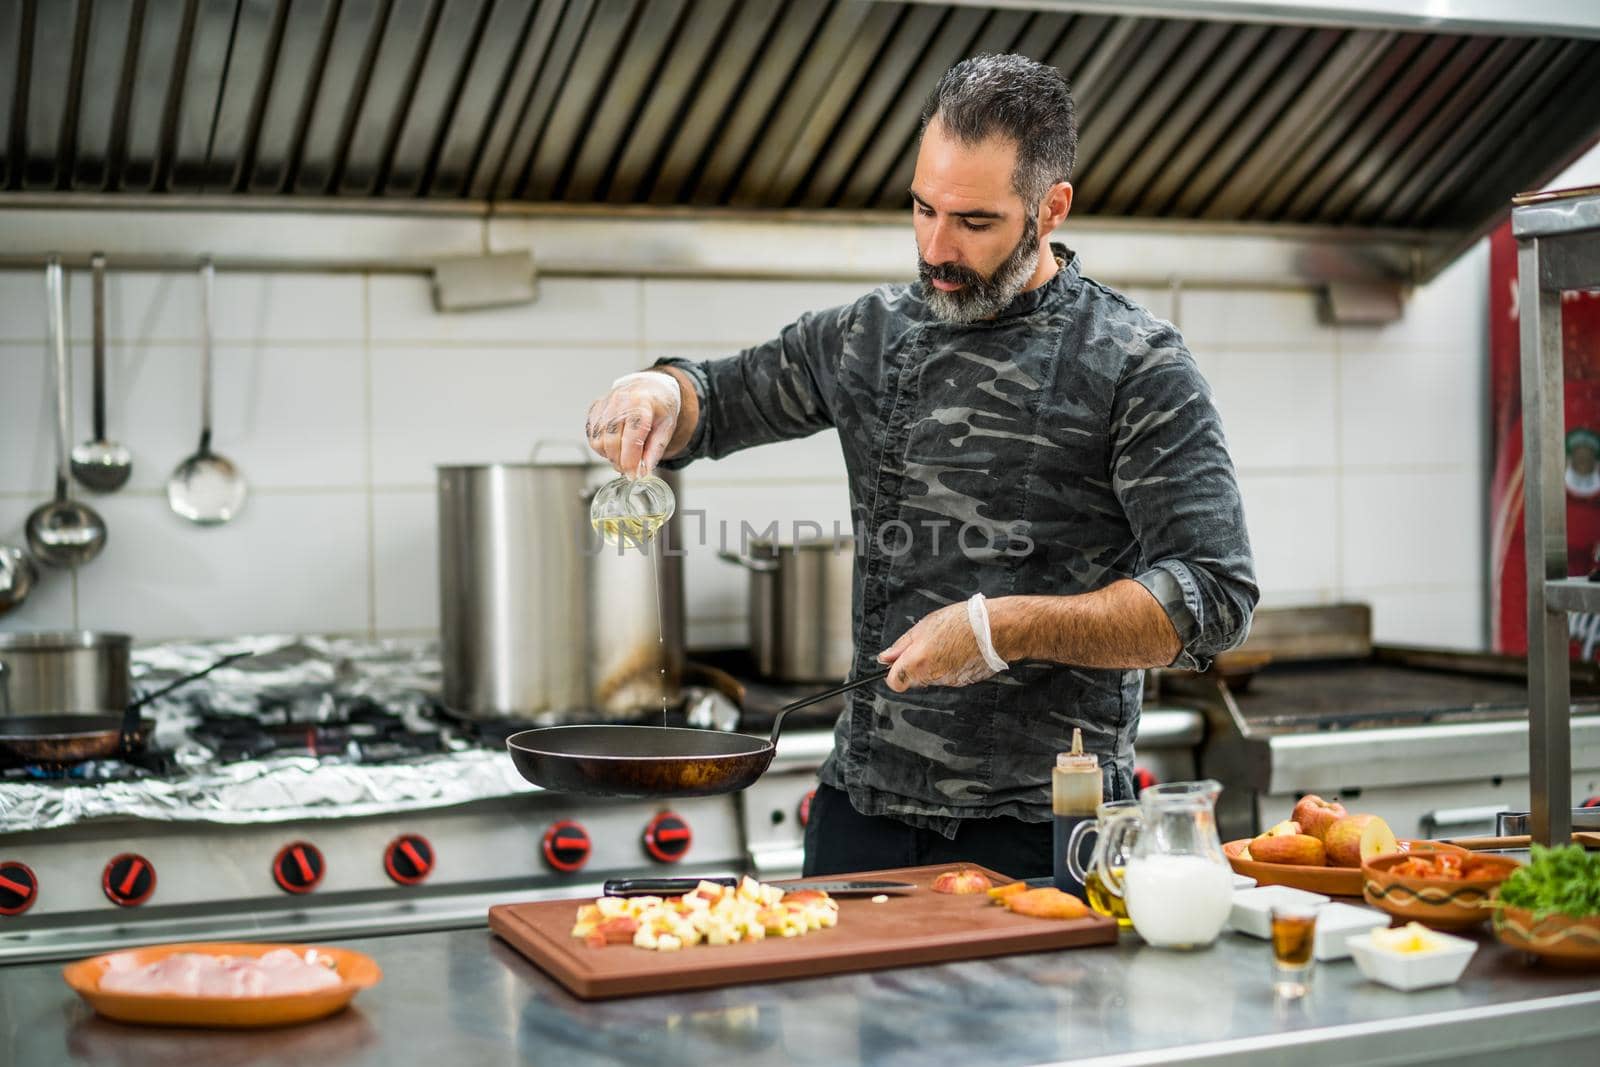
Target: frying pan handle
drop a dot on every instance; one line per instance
(817, 698)
(130, 714)
(186, 679)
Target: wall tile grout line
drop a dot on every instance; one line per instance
(641, 320)
(1417, 587)
(161, 494)
(1360, 470)
(367, 456)
(1338, 456)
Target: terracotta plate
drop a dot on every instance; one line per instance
(176, 1009)
(1332, 881)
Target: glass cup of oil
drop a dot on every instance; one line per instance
(627, 512)
(1101, 897)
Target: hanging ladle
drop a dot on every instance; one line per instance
(99, 464)
(17, 575)
(62, 533)
(206, 489)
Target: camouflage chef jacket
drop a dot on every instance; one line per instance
(1063, 445)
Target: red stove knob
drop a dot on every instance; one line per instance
(408, 859)
(1592, 802)
(19, 888)
(566, 846)
(128, 880)
(667, 838)
(298, 867)
(1143, 779)
(805, 806)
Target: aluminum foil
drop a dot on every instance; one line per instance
(281, 789)
(710, 709)
(293, 679)
(298, 679)
(287, 678)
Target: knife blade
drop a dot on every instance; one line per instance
(669, 887)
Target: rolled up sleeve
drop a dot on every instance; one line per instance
(775, 391)
(1171, 471)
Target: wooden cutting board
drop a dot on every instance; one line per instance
(919, 927)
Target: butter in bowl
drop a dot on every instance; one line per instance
(1411, 956)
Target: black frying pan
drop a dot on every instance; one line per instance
(652, 761)
(56, 741)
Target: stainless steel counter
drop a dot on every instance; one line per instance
(462, 997)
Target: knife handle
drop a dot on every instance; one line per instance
(659, 887)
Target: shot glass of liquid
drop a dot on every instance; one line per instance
(1294, 934)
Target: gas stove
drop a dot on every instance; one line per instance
(292, 814)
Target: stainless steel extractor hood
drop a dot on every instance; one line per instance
(1414, 116)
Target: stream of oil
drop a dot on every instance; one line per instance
(639, 531)
(661, 629)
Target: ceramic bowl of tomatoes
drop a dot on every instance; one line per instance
(1442, 890)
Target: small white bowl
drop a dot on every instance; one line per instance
(1252, 908)
(1337, 923)
(1243, 881)
(1413, 970)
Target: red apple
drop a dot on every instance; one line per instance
(961, 881)
(1355, 839)
(1315, 815)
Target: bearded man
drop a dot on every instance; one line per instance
(1044, 503)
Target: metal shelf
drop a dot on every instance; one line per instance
(1572, 594)
(1558, 248)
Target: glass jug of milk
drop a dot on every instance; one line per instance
(1176, 881)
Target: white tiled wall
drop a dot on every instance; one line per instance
(1359, 450)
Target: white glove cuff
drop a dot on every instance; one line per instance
(978, 617)
(677, 387)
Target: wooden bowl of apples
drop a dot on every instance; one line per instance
(1321, 848)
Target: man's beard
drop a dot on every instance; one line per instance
(981, 296)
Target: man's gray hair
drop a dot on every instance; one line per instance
(1017, 98)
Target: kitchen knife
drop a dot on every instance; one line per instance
(671, 887)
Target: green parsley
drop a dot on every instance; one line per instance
(1557, 881)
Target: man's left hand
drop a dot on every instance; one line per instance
(939, 650)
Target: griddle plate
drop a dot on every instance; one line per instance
(1314, 696)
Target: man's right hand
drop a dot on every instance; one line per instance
(632, 425)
